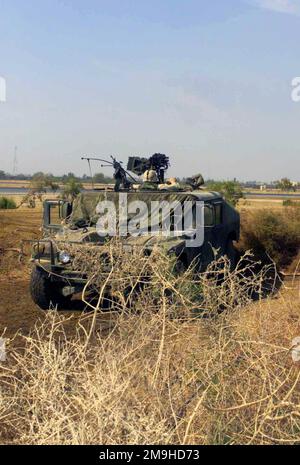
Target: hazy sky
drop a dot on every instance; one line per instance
(207, 82)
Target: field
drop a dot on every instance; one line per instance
(146, 378)
(9, 184)
(17, 311)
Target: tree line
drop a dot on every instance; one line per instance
(284, 184)
(99, 178)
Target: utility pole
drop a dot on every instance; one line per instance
(15, 167)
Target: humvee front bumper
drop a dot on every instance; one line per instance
(46, 256)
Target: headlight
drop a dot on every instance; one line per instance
(64, 257)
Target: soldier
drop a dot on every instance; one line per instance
(170, 185)
(150, 180)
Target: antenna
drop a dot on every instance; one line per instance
(91, 174)
(15, 165)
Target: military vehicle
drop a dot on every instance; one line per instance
(53, 279)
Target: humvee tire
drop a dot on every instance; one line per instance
(44, 293)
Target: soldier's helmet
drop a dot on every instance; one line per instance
(150, 176)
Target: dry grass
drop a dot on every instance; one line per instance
(258, 204)
(161, 375)
(272, 233)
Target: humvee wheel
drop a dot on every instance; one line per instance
(44, 293)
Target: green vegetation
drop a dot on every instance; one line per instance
(290, 203)
(231, 190)
(7, 204)
(41, 181)
(100, 178)
(71, 188)
(285, 184)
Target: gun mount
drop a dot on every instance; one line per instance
(157, 162)
(123, 179)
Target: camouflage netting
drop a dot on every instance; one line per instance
(85, 205)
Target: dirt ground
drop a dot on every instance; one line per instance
(17, 311)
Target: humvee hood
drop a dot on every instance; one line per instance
(90, 236)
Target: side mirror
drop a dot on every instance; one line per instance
(54, 212)
(65, 210)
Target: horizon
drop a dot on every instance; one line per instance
(12, 177)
